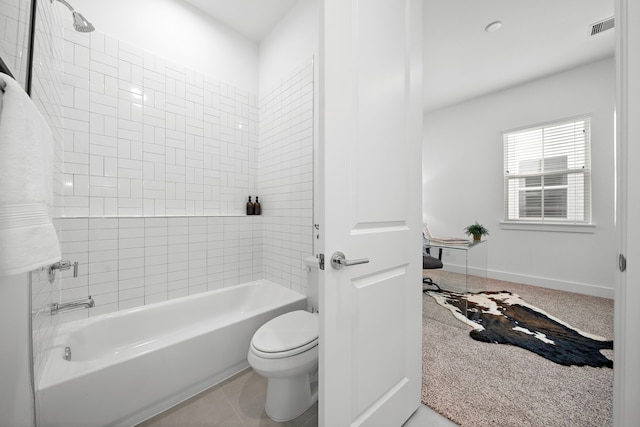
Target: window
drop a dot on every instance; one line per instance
(547, 173)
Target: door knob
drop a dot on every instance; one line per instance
(338, 261)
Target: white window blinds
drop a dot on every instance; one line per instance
(547, 173)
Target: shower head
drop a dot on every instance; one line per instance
(80, 23)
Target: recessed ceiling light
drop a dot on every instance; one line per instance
(493, 27)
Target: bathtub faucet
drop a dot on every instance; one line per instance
(72, 305)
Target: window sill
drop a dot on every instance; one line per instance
(553, 227)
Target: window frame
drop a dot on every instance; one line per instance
(581, 201)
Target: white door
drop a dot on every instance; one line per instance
(370, 173)
(627, 297)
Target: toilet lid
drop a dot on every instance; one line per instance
(290, 331)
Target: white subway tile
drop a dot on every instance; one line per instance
(111, 126)
(106, 99)
(103, 308)
(130, 263)
(111, 87)
(102, 267)
(136, 150)
(96, 165)
(178, 293)
(124, 188)
(124, 70)
(156, 297)
(131, 273)
(107, 277)
(111, 47)
(102, 223)
(156, 222)
(97, 42)
(110, 167)
(131, 303)
(131, 248)
(155, 231)
(103, 63)
(97, 82)
(136, 189)
(158, 260)
(104, 293)
(152, 289)
(96, 207)
(155, 241)
(133, 207)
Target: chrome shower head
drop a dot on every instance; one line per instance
(80, 23)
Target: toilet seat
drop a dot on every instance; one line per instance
(287, 335)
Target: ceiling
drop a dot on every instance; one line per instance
(461, 60)
(253, 19)
(537, 38)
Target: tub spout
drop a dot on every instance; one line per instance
(72, 305)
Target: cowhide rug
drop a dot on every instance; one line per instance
(504, 318)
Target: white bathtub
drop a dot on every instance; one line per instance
(130, 365)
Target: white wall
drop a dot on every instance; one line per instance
(463, 180)
(293, 41)
(177, 31)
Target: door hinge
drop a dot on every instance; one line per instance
(622, 263)
(321, 258)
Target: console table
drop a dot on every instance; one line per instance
(465, 269)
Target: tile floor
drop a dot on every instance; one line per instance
(239, 402)
(236, 402)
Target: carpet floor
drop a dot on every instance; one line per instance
(479, 384)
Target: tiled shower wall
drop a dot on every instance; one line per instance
(159, 161)
(286, 176)
(128, 262)
(144, 136)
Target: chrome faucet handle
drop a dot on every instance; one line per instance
(62, 265)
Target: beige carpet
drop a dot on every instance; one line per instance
(479, 384)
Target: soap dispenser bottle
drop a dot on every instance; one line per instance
(257, 210)
(251, 207)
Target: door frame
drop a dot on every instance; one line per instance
(626, 384)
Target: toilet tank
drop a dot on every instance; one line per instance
(312, 266)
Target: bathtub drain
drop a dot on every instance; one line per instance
(67, 353)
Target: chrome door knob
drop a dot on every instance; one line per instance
(338, 261)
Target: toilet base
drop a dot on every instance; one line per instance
(289, 397)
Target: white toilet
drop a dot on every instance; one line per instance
(285, 351)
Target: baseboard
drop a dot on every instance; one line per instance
(543, 282)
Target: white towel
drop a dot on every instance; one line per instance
(28, 239)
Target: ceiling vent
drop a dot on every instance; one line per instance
(601, 26)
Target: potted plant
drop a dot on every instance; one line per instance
(477, 230)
